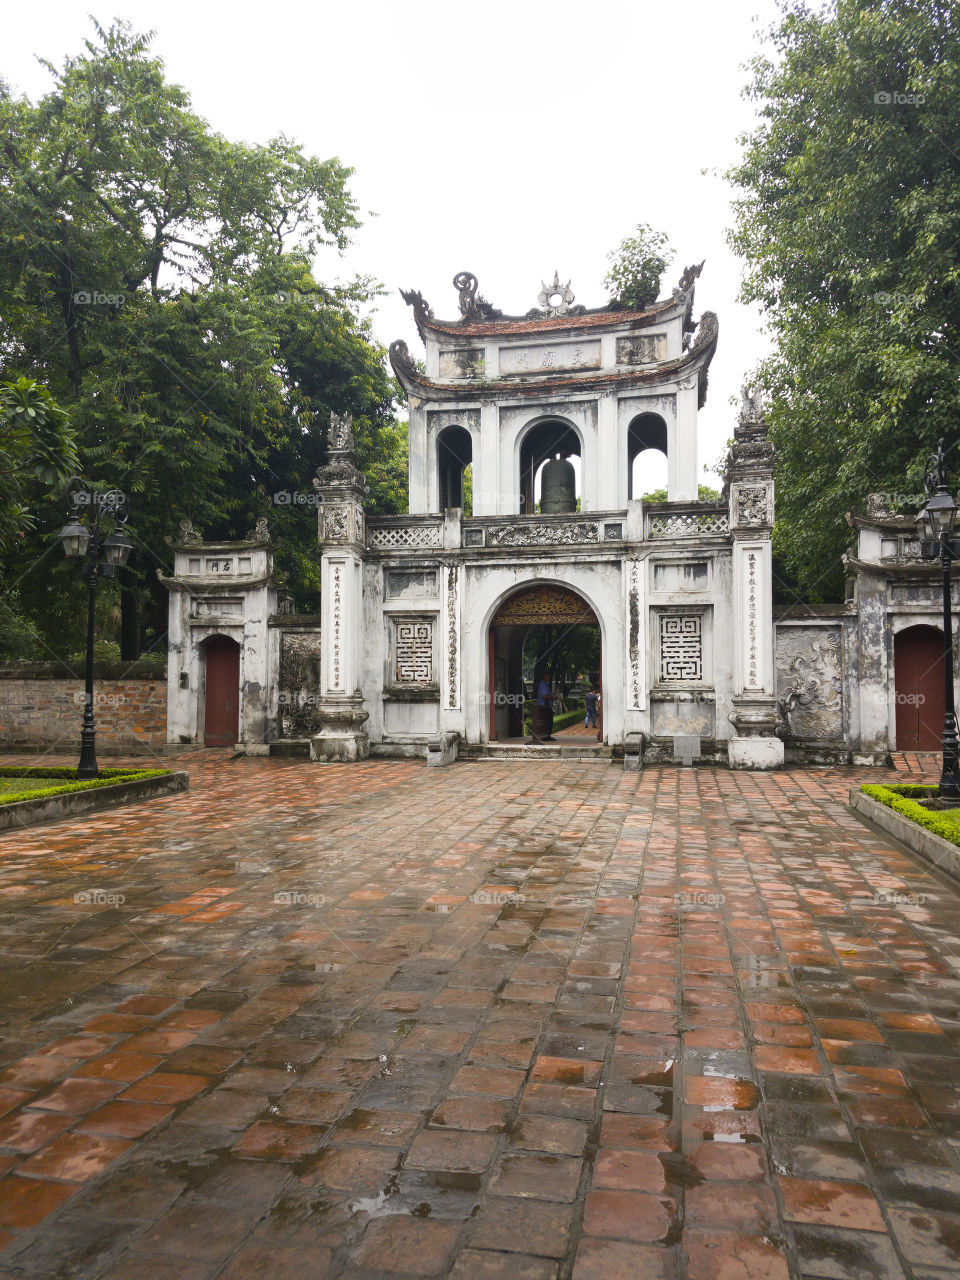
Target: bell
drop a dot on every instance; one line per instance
(558, 487)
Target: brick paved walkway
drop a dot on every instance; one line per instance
(499, 1020)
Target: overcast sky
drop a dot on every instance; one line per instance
(506, 139)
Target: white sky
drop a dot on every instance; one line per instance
(506, 139)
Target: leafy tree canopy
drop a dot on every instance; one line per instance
(156, 277)
(37, 450)
(636, 267)
(849, 221)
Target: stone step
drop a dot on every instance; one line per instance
(523, 751)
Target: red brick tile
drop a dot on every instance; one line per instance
(537, 1177)
(75, 1097)
(712, 1255)
(25, 1201)
(404, 1246)
(32, 1129)
(125, 1067)
(599, 1259)
(629, 1171)
(124, 1119)
(74, 1157)
(482, 1115)
(269, 1140)
(799, 1061)
(165, 1087)
(836, 1204)
(740, 1206)
(628, 1215)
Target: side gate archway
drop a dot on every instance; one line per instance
(918, 681)
(221, 699)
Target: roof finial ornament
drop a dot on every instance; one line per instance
(690, 274)
(751, 406)
(341, 431)
(472, 305)
(556, 299)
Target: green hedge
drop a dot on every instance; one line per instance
(945, 824)
(108, 778)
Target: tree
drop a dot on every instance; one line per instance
(848, 221)
(156, 277)
(637, 266)
(37, 448)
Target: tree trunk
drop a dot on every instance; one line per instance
(129, 622)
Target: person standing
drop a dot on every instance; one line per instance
(545, 702)
(590, 705)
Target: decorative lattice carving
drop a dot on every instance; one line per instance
(414, 652)
(681, 647)
(545, 605)
(689, 524)
(428, 535)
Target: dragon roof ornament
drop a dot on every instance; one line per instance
(472, 305)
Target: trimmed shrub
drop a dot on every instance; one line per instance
(945, 824)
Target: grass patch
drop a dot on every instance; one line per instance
(27, 782)
(903, 799)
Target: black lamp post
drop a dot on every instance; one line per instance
(936, 522)
(98, 556)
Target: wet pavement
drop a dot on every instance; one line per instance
(502, 1019)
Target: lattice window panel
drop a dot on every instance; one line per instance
(414, 652)
(681, 647)
(406, 536)
(689, 523)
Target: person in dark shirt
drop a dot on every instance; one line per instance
(545, 700)
(590, 705)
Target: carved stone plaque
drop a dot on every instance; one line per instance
(642, 348)
(809, 681)
(461, 362)
(550, 359)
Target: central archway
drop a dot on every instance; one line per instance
(556, 619)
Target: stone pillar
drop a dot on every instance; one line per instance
(341, 534)
(750, 481)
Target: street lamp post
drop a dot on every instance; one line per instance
(936, 522)
(98, 556)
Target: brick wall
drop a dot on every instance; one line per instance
(130, 714)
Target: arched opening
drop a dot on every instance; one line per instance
(454, 455)
(221, 698)
(547, 442)
(918, 682)
(545, 631)
(646, 455)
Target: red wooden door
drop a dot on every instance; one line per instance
(222, 701)
(918, 679)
